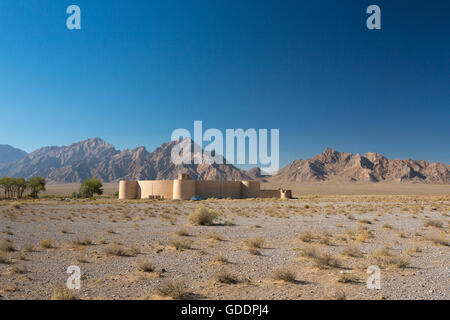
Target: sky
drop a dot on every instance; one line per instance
(137, 70)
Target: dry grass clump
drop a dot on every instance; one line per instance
(82, 258)
(78, 242)
(309, 252)
(18, 269)
(64, 294)
(203, 216)
(7, 246)
(321, 260)
(182, 233)
(433, 223)
(353, 252)
(176, 289)
(254, 251)
(215, 236)
(383, 252)
(46, 243)
(15, 205)
(113, 249)
(145, 266)
(284, 274)
(347, 278)
(3, 259)
(29, 248)
(221, 259)
(399, 261)
(224, 276)
(180, 244)
(439, 240)
(255, 243)
(306, 236)
(336, 294)
(325, 260)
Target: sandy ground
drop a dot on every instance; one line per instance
(308, 239)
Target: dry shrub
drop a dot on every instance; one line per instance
(399, 261)
(255, 243)
(284, 274)
(439, 240)
(433, 223)
(353, 252)
(215, 236)
(254, 251)
(325, 260)
(46, 243)
(7, 246)
(64, 294)
(3, 259)
(145, 266)
(306, 237)
(180, 244)
(221, 259)
(203, 216)
(224, 276)
(176, 289)
(347, 278)
(182, 233)
(115, 250)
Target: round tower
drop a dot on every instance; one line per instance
(127, 190)
(183, 187)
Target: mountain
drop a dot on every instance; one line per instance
(9, 154)
(97, 158)
(373, 167)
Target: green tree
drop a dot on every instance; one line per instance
(90, 187)
(37, 184)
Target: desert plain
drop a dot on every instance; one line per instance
(316, 246)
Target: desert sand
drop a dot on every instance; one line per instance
(315, 247)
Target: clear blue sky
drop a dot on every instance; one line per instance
(139, 69)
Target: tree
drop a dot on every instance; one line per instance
(90, 187)
(37, 184)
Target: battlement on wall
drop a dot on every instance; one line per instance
(184, 188)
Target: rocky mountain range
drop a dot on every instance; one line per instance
(9, 154)
(97, 158)
(371, 167)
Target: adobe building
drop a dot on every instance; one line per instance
(184, 188)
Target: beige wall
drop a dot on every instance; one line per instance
(218, 189)
(270, 193)
(163, 188)
(186, 189)
(250, 189)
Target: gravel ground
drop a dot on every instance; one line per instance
(146, 230)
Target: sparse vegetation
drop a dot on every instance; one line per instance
(224, 276)
(176, 289)
(181, 244)
(46, 243)
(7, 246)
(113, 249)
(353, 252)
(255, 243)
(145, 266)
(284, 274)
(434, 223)
(64, 294)
(203, 216)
